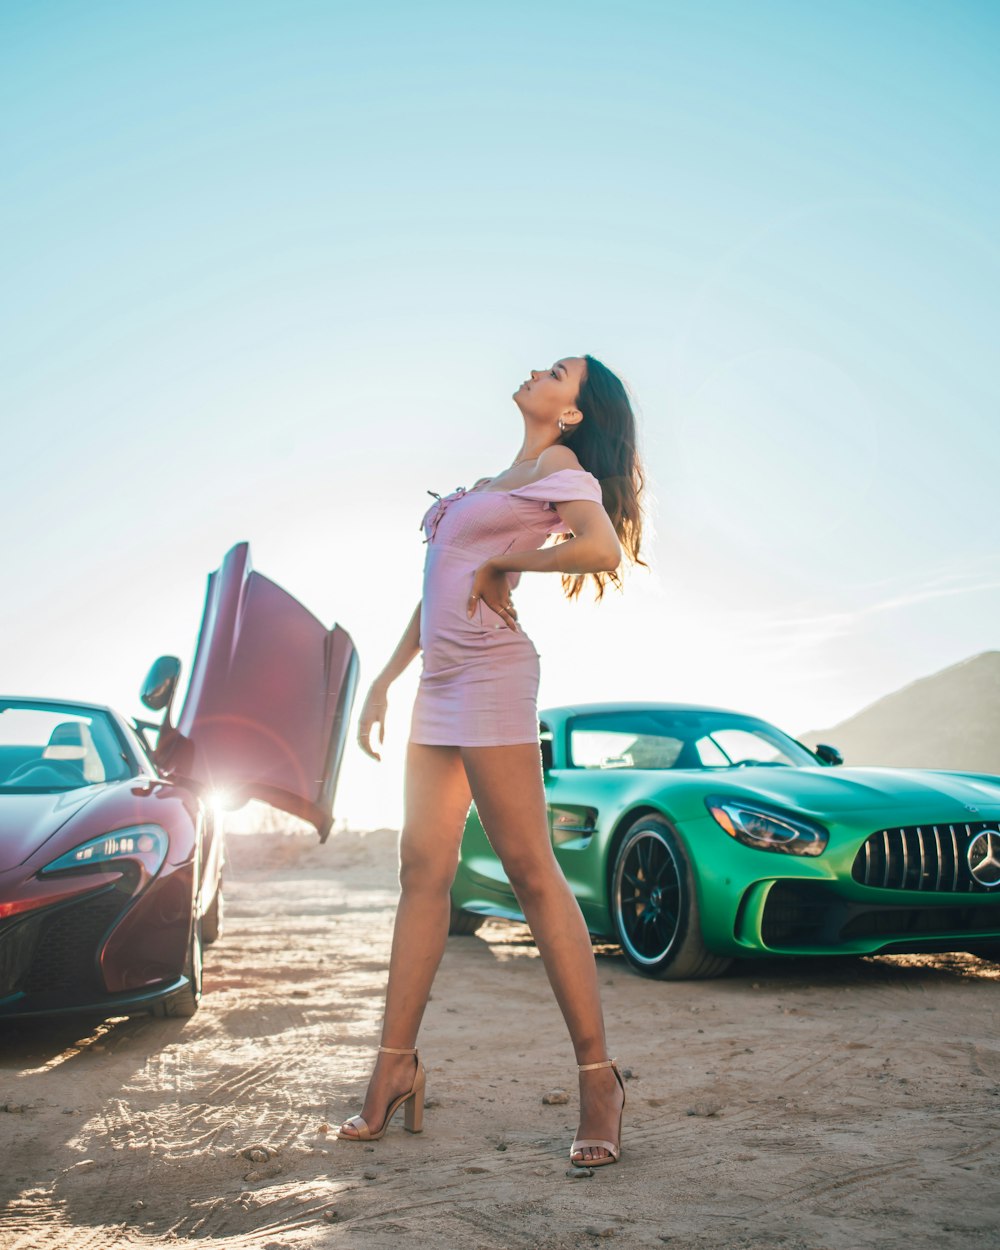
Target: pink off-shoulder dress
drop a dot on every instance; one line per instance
(479, 678)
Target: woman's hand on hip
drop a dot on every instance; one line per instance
(373, 713)
(490, 584)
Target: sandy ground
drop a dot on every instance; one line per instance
(804, 1105)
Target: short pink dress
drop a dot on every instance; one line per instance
(479, 678)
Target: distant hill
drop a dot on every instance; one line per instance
(948, 720)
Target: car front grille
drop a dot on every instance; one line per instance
(921, 857)
(813, 914)
(794, 916)
(56, 949)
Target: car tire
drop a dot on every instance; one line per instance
(651, 876)
(184, 1002)
(214, 918)
(463, 922)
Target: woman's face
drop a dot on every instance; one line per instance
(551, 392)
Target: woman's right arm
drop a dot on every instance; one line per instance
(376, 701)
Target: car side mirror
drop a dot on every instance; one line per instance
(161, 681)
(828, 754)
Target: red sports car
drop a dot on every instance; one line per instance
(111, 861)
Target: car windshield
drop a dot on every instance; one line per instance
(704, 740)
(46, 748)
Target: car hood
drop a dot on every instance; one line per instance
(28, 820)
(941, 793)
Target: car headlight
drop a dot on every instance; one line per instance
(765, 828)
(145, 843)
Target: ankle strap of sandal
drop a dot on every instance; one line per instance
(399, 1050)
(604, 1063)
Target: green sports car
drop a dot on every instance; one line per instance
(693, 836)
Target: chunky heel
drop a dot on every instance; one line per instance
(413, 1111)
(412, 1102)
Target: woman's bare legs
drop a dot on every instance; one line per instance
(507, 786)
(436, 799)
(440, 783)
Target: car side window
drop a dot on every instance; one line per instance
(597, 747)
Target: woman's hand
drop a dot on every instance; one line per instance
(372, 713)
(490, 584)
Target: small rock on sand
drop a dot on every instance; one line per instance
(265, 1173)
(707, 1106)
(555, 1096)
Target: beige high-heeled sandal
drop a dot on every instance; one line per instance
(413, 1116)
(614, 1147)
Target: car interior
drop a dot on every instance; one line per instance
(75, 753)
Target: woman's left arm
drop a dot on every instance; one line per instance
(594, 548)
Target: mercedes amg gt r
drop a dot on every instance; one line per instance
(696, 836)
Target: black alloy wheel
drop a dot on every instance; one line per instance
(655, 907)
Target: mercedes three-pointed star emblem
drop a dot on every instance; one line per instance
(983, 857)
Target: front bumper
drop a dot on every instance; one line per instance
(756, 902)
(815, 917)
(22, 1006)
(55, 958)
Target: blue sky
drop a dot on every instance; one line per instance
(271, 271)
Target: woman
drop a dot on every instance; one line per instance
(474, 728)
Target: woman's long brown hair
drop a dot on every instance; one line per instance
(605, 444)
